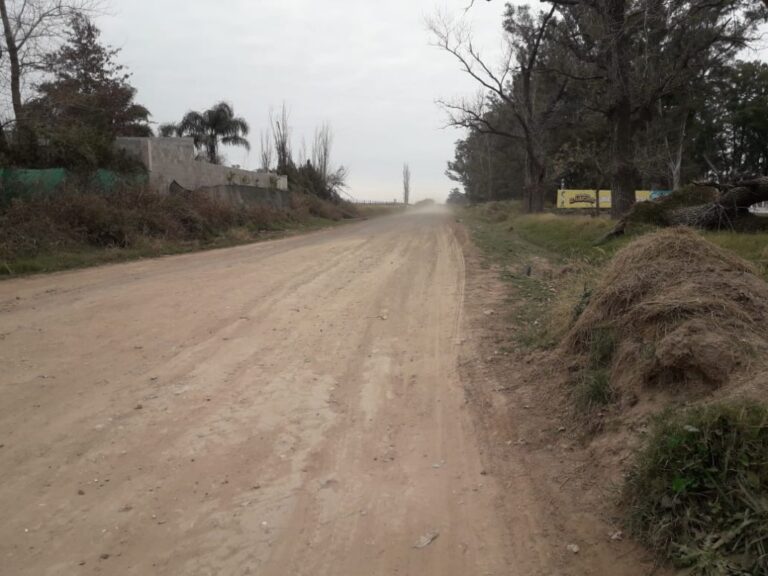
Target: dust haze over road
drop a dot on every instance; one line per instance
(290, 407)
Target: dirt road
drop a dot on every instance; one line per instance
(291, 407)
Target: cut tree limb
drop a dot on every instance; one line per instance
(732, 204)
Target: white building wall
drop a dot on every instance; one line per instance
(169, 159)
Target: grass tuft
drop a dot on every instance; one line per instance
(593, 389)
(697, 493)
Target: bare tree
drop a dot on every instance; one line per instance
(321, 150)
(530, 94)
(302, 157)
(406, 184)
(266, 152)
(31, 29)
(281, 134)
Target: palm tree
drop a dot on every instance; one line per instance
(215, 126)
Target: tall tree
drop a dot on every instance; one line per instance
(266, 151)
(489, 167)
(281, 135)
(168, 130)
(406, 184)
(86, 102)
(30, 29)
(731, 132)
(532, 95)
(321, 150)
(213, 127)
(633, 53)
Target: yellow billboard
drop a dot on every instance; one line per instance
(581, 199)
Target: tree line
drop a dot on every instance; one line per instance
(609, 93)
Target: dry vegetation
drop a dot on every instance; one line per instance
(660, 337)
(679, 312)
(73, 228)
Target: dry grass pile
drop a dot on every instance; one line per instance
(675, 312)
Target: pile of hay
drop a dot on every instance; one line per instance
(681, 313)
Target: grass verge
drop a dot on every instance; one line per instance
(73, 230)
(698, 491)
(520, 264)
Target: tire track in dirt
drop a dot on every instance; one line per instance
(287, 407)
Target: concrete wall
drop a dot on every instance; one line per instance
(240, 195)
(169, 159)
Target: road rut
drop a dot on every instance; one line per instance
(290, 407)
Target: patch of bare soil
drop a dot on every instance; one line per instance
(283, 408)
(558, 497)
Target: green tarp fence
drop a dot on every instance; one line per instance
(24, 183)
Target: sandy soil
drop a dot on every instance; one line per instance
(286, 408)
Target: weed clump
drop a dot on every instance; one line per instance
(593, 389)
(699, 490)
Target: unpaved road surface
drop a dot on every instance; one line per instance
(285, 408)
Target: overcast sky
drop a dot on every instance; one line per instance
(364, 66)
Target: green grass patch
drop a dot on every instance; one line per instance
(493, 232)
(532, 330)
(574, 237)
(602, 345)
(699, 490)
(593, 390)
(752, 247)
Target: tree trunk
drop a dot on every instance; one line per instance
(676, 162)
(535, 175)
(538, 187)
(13, 57)
(625, 173)
(25, 144)
(734, 203)
(3, 145)
(731, 206)
(537, 197)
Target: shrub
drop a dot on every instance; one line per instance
(699, 490)
(123, 219)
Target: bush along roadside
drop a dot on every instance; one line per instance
(75, 228)
(699, 490)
